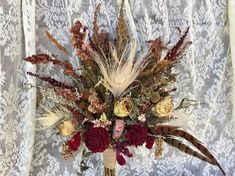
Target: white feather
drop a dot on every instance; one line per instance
(51, 118)
(119, 75)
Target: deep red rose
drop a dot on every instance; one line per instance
(136, 135)
(96, 139)
(149, 142)
(75, 142)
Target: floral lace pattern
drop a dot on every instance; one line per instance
(205, 74)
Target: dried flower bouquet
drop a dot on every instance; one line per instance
(119, 98)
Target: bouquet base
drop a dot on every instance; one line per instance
(109, 172)
(109, 162)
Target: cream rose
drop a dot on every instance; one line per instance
(164, 107)
(66, 127)
(123, 107)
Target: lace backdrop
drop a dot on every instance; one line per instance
(205, 74)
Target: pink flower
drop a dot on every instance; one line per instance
(118, 128)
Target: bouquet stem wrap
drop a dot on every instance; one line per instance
(109, 161)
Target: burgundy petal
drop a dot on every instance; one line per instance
(149, 142)
(120, 159)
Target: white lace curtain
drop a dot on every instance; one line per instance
(205, 74)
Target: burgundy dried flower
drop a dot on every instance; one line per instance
(136, 135)
(149, 142)
(175, 52)
(75, 142)
(121, 149)
(52, 81)
(120, 159)
(96, 139)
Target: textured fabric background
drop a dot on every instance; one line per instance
(205, 74)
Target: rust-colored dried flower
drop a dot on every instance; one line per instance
(79, 37)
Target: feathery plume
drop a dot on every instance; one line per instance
(51, 118)
(118, 75)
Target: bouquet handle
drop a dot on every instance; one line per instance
(109, 162)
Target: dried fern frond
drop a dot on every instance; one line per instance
(49, 94)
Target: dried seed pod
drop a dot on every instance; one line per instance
(155, 97)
